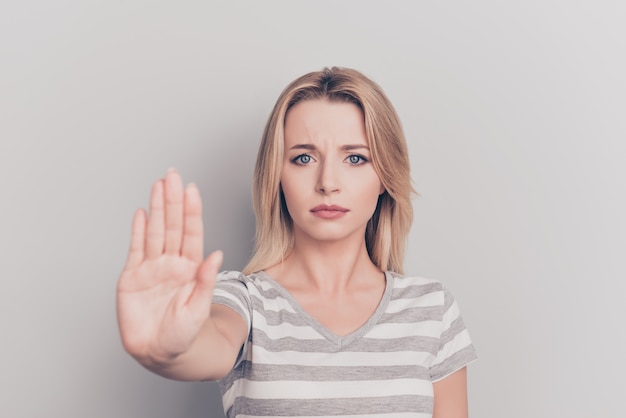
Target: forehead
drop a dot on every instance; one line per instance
(323, 121)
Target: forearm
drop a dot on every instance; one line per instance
(211, 355)
(451, 396)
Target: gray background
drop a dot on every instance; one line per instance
(514, 113)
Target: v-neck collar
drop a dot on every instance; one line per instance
(325, 332)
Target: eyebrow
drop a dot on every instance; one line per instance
(312, 147)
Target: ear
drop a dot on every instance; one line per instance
(382, 189)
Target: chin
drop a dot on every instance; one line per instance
(329, 235)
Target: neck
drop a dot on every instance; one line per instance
(327, 267)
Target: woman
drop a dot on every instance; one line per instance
(321, 322)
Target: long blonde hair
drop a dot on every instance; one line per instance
(388, 228)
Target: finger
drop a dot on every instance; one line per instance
(173, 212)
(193, 236)
(199, 301)
(156, 222)
(137, 240)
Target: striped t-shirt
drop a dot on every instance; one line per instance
(292, 366)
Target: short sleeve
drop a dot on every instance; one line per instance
(231, 290)
(455, 346)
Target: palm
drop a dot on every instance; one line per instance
(165, 289)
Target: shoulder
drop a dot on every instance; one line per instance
(402, 280)
(231, 282)
(413, 286)
(241, 277)
(231, 275)
(254, 284)
(246, 294)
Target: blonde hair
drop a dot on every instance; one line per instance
(388, 228)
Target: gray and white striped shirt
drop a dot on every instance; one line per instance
(292, 366)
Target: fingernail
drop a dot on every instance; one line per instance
(171, 170)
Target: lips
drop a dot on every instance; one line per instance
(332, 208)
(329, 211)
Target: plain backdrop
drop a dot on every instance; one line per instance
(515, 117)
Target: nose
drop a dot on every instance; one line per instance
(327, 180)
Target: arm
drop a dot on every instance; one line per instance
(212, 354)
(451, 396)
(164, 294)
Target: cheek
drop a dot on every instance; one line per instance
(373, 186)
(369, 194)
(289, 186)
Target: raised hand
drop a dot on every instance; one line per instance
(164, 293)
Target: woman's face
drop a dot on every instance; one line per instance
(329, 183)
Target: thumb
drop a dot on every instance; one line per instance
(200, 298)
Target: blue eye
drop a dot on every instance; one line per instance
(355, 159)
(302, 159)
